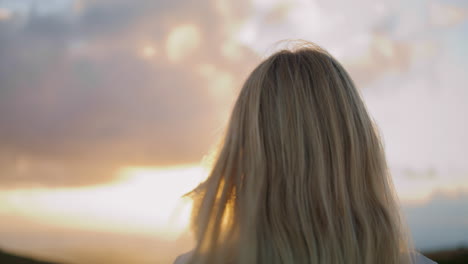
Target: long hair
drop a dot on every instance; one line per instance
(300, 175)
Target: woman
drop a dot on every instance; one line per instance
(301, 175)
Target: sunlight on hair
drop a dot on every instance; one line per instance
(144, 201)
(182, 41)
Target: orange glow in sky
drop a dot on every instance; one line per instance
(182, 41)
(148, 51)
(145, 200)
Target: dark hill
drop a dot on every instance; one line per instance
(8, 258)
(454, 256)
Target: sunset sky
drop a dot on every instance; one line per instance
(108, 108)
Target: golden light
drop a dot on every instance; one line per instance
(221, 83)
(145, 201)
(182, 41)
(385, 45)
(231, 50)
(221, 86)
(148, 51)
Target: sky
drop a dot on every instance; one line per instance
(104, 100)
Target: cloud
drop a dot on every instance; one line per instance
(112, 82)
(78, 99)
(407, 58)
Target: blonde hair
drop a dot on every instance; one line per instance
(300, 175)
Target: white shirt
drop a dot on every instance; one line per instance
(419, 259)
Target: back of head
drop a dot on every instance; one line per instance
(301, 175)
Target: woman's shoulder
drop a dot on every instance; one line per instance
(421, 259)
(184, 258)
